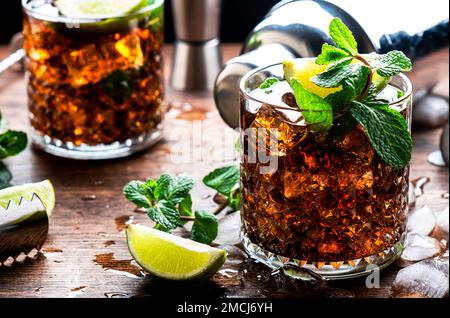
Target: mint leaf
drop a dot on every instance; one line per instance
(392, 63)
(343, 37)
(173, 188)
(317, 112)
(335, 76)
(165, 213)
(205, 227)
(234, 200)
(330, 54)
(118, 85)
(137, 193)
(162, 186)
(185, 206)
(223, 180)
(388, 132)
(269, 82)
(12, 143)
(5, 176)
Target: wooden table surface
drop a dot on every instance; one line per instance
(86, 254)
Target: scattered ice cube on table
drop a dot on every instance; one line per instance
(442, 219)
(426, 279)
(229, 229)
(442, 222)
(419, 247)
(421, 221)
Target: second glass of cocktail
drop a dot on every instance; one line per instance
(95, 81)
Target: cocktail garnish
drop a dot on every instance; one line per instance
(358, 80)
(99, 8)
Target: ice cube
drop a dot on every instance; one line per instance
(419, 247)
(229, 229)
(93, 62)
(421, 221)
(125, 53)
(86, 65)
(426, 279)
(283, 132)
(442, 221)
(356, 146)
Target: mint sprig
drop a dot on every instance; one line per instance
(168, 201)
(356, 102)
(11, 143)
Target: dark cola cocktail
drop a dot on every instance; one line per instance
(95, 81)
(322, 187)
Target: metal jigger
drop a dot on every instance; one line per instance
(197, 58)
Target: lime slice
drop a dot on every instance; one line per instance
(303, 70)
(172, 257)
(44, 190)
(380, 82)
(93, 9)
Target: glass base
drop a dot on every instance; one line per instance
(328, 271)
(99, 152)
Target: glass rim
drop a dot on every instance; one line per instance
(63, 19)
(408, 91)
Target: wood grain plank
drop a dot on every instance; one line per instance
(80, 227)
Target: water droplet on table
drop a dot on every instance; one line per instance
(122, 221)
(89, 197)
(121, 267)
(77, 291)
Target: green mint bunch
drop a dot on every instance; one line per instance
(11, 143)
(168, 201)
(357, 101)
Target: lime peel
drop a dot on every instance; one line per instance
(171, 257)
(98, 8)
(305, 69)
(44, 190)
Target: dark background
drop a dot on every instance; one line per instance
(238, 18)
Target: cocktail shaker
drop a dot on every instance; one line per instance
(298, 28)
(197, 58)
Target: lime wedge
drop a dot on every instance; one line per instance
(172, 257)
(86, 9)
(380, 82)
(305, 69)
(44, 190)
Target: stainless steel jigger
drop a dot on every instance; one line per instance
(197, 59)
